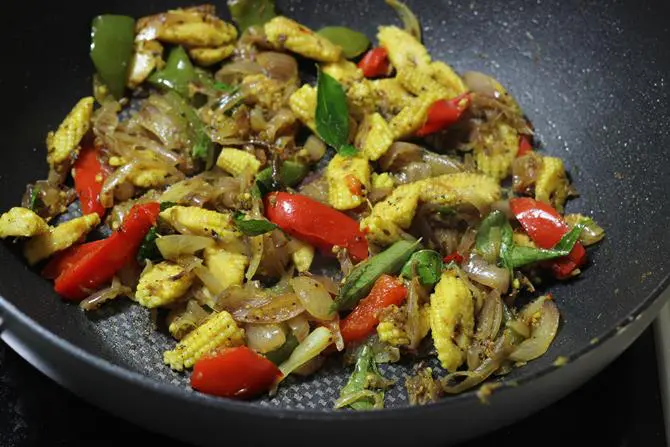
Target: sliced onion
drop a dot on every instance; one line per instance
(409, 20)
(183, 320)
(490, 317)
(208, 279)
(119, 176)
(503, 206)
(488, 274)
(315, 148)
(467, 241)
(413, 314)
(346, 264)
(256, 244)
(413, 172)
(519, 327)
(300, 327)
(330, 284)
(318, 340)
(442, 164)
(279, 309)
(334, 327)
(541, 335)
(280, 66)
(480, 83)
(233, 71)
(399, 155)
(240, 299)
(264, 338)
(314, 297)
(100, 297)
(500, 353)
(176, 245)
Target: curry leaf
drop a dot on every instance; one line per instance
(148, 250)
(426, 264)
(364, 389)
(332, 114)
(353, 43)
(166, 205)
(253, 227)
(247, 13)
(519, 256)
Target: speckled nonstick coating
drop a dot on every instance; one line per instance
(592, 79)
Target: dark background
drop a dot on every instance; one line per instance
(619, 407)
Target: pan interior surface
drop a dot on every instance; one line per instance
(592, 80)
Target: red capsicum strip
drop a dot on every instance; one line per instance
(546, 227)
(375, 63)
(234, 372)
(444, 113)
(64, 260)
(362, 321)
(316, 223)
(88, 179)
(524, 146)
(455, 257)
(97, 265)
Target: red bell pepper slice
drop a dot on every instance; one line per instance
(64, 260)
(362, 321)
(455, 257)
(234, 372)
(316, 223)
(524, 146)
(97, 265)
(88, 179)
(375, 63)
(444, 113)
(546, 227)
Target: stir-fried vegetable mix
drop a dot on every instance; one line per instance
(219, 175)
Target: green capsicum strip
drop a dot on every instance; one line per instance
(177, 74)
(112, 39)
(361, 279)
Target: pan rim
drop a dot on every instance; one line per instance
(137, 379)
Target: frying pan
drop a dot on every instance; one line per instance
(591, 77)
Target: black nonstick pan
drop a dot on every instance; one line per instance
(593, 78)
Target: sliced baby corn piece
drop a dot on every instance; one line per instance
(227, 266)
(284, 33)
(390, 95)
(552, 183)
(219, 330)
(63, 144)
(345, 72)
(348, 180)
(59, 238)
(388, 217)
(303, 105)
(403, 48)
(21, 222)
(448, 78)
(147, 57)
(495, 153)
(460, 188)
(374, 136)
(210, 56)
(302, 256)
(237, 162)
(162, 284)
(192, 27)
(451, 320)
(201, 222)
